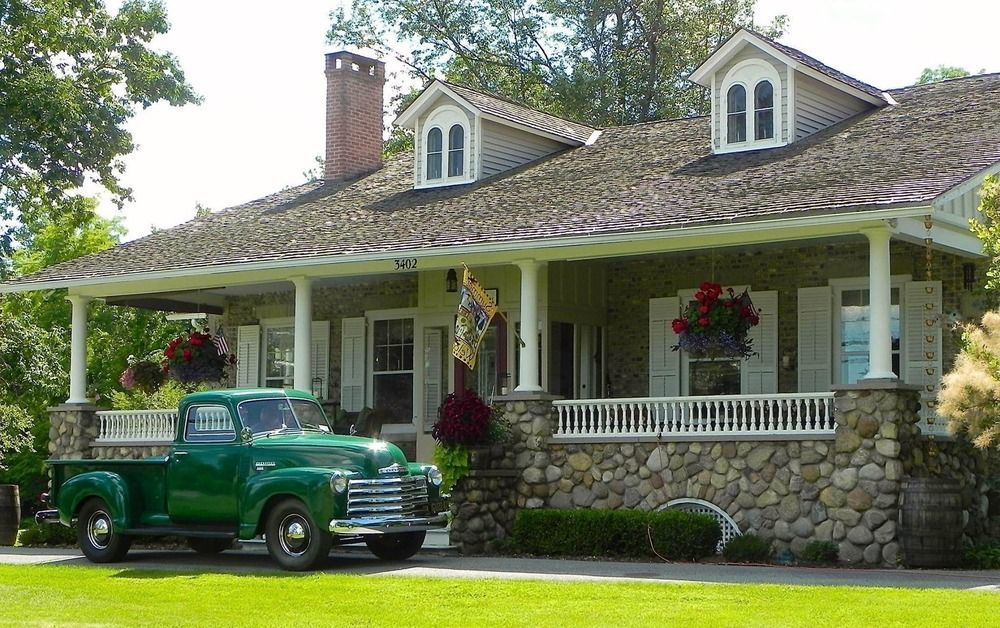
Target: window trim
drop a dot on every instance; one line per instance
(418, 346)
(444, 118)
(749, 73)
(837, 287)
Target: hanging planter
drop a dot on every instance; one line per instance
(717, 324)
(195, 358)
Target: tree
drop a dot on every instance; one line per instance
(941, 73)
(71, 76)
(603, 62)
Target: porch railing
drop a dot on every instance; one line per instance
(133, 427)
(735, 417)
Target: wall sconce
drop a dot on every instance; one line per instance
(968, 276)
(451, 281)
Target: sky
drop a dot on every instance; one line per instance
(259, 67)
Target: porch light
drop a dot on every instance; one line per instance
(968, 276)
(451, 282)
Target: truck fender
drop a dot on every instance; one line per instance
(309, 484)
(106, 485)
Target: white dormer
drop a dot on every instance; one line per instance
(461, 135)
(764, 94)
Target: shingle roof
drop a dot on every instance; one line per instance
(510, 110)
(637, 178)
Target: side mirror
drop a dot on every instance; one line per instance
(246, 435)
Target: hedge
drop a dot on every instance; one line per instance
(675, 534)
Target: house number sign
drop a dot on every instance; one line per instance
(405, 263)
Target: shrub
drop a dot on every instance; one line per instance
(47, 534)
(166, 397)
(820, 552)
(983, 556)
(748, 548)
(463, 420)
(673, 534)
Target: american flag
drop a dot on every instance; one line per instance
(219, 340)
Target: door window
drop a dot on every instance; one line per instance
(279, 356)
(392, 369)
(208, 424)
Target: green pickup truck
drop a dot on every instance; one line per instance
(251, 462)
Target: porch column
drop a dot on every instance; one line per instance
(528, 373)
(78, 349)
(880, 299)
(302, 373)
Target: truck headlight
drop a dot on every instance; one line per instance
(434, 476)
(338, 482)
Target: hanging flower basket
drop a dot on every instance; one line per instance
(717, 324)
(145, 374)
(194, 359)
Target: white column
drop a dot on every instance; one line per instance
(879, 286)
(302, 372)
(528, 373)
(78, 349)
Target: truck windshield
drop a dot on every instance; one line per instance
(268, 415)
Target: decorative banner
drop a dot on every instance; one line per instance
(475, 311)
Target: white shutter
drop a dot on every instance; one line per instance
(759, 374)
(922, 348)
(248, 356)
(319, 353)
(815, 347)
(664, 362)
(352, 365)
(433, 375)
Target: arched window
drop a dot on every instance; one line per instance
(736, 114)
(763, 106)
(434, 153)
(456, 151)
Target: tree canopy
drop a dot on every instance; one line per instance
(941, 73)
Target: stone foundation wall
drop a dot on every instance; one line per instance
(73, 428)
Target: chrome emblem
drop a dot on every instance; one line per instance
(393, 468)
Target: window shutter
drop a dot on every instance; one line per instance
(759, 374)
(922, 348)
(352, 365)
(320, 356)
(248, 356)
(433, 375)
(664, 363)
(815, 352)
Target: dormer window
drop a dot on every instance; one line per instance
(736, 127)
(754, 124)
(456, 151)
(763, 107)
(446, 148)
(434, 153)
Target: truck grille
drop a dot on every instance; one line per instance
(382, 497)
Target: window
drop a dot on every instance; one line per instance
(714, 377)
(763, 105)
(736, 119)
(456, 151)
(854, 312)
(392, 369)
(208, 424)
(434, 153)
(279, 356)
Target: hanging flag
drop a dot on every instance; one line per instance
(219, 340)
(475, 311)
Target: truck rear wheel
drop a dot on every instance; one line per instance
(399, 546)
(204, 545)
(96, 534)
(294, 539)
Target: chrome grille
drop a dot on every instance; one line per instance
(382, 497)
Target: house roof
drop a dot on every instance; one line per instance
(632, 179)
(823, 68)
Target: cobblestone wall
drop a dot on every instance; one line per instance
(73, 428)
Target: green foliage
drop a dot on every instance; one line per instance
(453, 462)
(983, 556)
(671, 534)
(747, 548)
(604, 62)
(941, 73)
(166, 397)
(46, 535)
(988, 229)
(15, 425)
(821, 552)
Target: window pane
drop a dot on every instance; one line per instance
(736, 120)
(484, 379)
(456, 151)
(434, 141)
(714, 377)
(737, 99)
(434, 166)
(855, 331)
(764, 125)
(279, 357)
(434, 154)
(393, 397)
(764, 111)
(763, 95)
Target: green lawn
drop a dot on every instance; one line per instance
(61, 595)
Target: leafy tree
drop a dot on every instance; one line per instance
(72, 74)
(603, 62)
(941, 73)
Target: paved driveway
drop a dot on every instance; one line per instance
(254, 559)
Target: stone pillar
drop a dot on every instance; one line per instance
(302, 372)
(880, 294)
(862, 500)
(78, 350)
(528, 373)
(73, 428)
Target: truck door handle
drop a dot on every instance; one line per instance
(178, 454)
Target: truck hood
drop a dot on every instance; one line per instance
(366, 456)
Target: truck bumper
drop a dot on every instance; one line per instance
(387, 525)
(47, 516)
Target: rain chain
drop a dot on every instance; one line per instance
(931, 319)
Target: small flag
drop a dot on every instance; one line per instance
(475, 311)
(219, 340)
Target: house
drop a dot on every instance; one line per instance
(843, 208)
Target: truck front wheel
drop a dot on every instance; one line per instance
(399, 546)
(96, 535)
(294, 540)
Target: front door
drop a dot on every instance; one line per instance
(204, 469)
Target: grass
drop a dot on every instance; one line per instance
(75, 595)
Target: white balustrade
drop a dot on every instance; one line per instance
(129, 427)
(733, 417)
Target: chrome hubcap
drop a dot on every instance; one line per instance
(99, 530)
(294, 535)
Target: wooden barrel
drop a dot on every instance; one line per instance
(931, 522)
(10, 513)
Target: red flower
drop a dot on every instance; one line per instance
(745, 312)
(729, 303)
(169, 352)
(197, 340)
(187, 355)
(703, 309)
(703, 321)
(679, 325)
(700, 296)
(754, 320)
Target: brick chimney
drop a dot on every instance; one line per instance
(353, 115)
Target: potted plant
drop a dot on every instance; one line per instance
(717, 323)
(464, 422)
(146, 374)
(194, 358)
